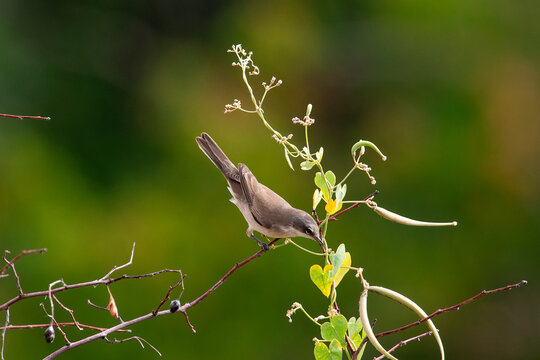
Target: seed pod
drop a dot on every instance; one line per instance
(175, 305)
(49, 334)
(388, 215)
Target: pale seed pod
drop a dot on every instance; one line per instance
(49, 334)
(175, 305)
(388, 215)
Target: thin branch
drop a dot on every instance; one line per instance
(97, 306)
(121, 266)
(454, 307)
(151, 314)
(138, 338)
(20, 117)
(369, 197)
(233, 269)
(403, 343)
(4, 334)
(64, 324)
(168, 295)
(188, 322)
(53, 321)
(440, 311)
(69, 311)
(12, 265)
(83, 284)
(20, 255)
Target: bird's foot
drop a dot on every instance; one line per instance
(264, 246)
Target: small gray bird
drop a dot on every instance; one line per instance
(264, 210)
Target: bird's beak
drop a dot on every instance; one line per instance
(319, 241)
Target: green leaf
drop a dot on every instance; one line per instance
(317, 196)
(354, 326)
(331, 177)
(337, 259)
(287, 158)
(321, 279)
(322, 352)
(321, 184)
(335, 329)
(356, 333)
(307, 165)
(319, 154)
(335, 350)
(343, 270)
(341, 190)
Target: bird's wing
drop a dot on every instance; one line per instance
(266, 206)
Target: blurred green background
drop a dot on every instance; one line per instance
(450, 91)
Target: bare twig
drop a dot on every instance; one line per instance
(53, 321)
(138, 338)
(20, 255)
(69, 311)
(188, 322)
(83, 284)
(440, 311)
(404, 342)
(233, 269)
(97, 306)
(369, 197)
(12, 265)
(4, 334)
(168, 295)
(454, 307)
(64, 324)
(151, 314)
(20, 117)
(121, 266)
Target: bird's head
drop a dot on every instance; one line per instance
(305, 226)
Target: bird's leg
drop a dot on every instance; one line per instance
(264, 246)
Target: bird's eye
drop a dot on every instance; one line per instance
(309, 231)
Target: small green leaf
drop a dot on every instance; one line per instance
(335, 329)
(322, 352)
(307, 165)
(337, 259)
(343, 270)
(321, 184)
(288, 159)
(357, 340)
(354, 326)
(356, 333)
(319, 154)
(331, 177)
(341, 190)
(335, 350)
(321, 279)
(317, 196)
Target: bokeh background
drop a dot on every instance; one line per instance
(450, 91)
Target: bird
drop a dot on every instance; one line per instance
(265, 211)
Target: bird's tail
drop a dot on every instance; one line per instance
(217, 156)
